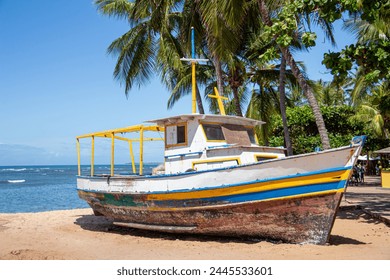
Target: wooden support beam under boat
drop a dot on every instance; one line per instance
(156, 227)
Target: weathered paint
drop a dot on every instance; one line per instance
(298, 167)
(141, 200)
(255, 191)
(306, 219)
(287, 184)
(285, 209)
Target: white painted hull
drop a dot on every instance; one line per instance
(277, 168)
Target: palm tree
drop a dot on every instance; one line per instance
(328, 93)
(282, 104)
(375, 111)
(304, 22)
(300, 78)
(266, 97)
(241, 16)
(238, 58)
(152, 44)
(372, 100)
(367, 33)
(263, 106)
(227, 44)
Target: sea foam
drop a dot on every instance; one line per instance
(16, 181)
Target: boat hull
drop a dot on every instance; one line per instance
(306, 219)
(294, 199)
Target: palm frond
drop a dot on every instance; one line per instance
(136, 56)
(116, 8)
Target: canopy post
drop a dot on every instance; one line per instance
(78, 156)
(112, 153)
(132, 156)
(141, 151)
(93, 156)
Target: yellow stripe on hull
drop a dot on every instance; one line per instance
(205, 207)
(334, 176)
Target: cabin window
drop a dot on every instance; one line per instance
(213, 132)
(176, 135)
(236, 134)
(181, 134)
(251, 135)
(263, 157)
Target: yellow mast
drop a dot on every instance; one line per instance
(193, 71)
(193, 88)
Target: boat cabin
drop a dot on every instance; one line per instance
(195, 142)
(199, 142)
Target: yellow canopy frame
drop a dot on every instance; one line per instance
(112, 134)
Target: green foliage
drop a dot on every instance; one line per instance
(309, 39)
(304, 133)
(371, 54)
(270, 54)
(158, 38)
(372, 58)
(375, 110)
(374, 144)
(285, 25)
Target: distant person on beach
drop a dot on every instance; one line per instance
(360, 169)
(355, 175)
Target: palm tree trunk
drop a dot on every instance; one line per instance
(301, 81)
(237, 104)
(218, 71)
(282, 101)
(310, 98)
(216, 60)
(199, 101)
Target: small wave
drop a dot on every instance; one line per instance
(16, 181)
(14, 169)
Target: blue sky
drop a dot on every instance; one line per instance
(56, 81)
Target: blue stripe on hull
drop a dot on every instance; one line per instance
(280, 193)
(295, 176)
(257, 196)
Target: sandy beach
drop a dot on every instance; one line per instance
(79, 235)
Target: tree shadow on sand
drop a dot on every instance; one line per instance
(377, 204)
(357, 213)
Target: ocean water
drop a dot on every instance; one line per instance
(46, 188)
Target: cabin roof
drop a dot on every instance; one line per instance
(223, 119)
(383, 151)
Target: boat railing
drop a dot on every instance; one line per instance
(113, 134)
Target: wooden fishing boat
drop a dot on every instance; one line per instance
(217, 180)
